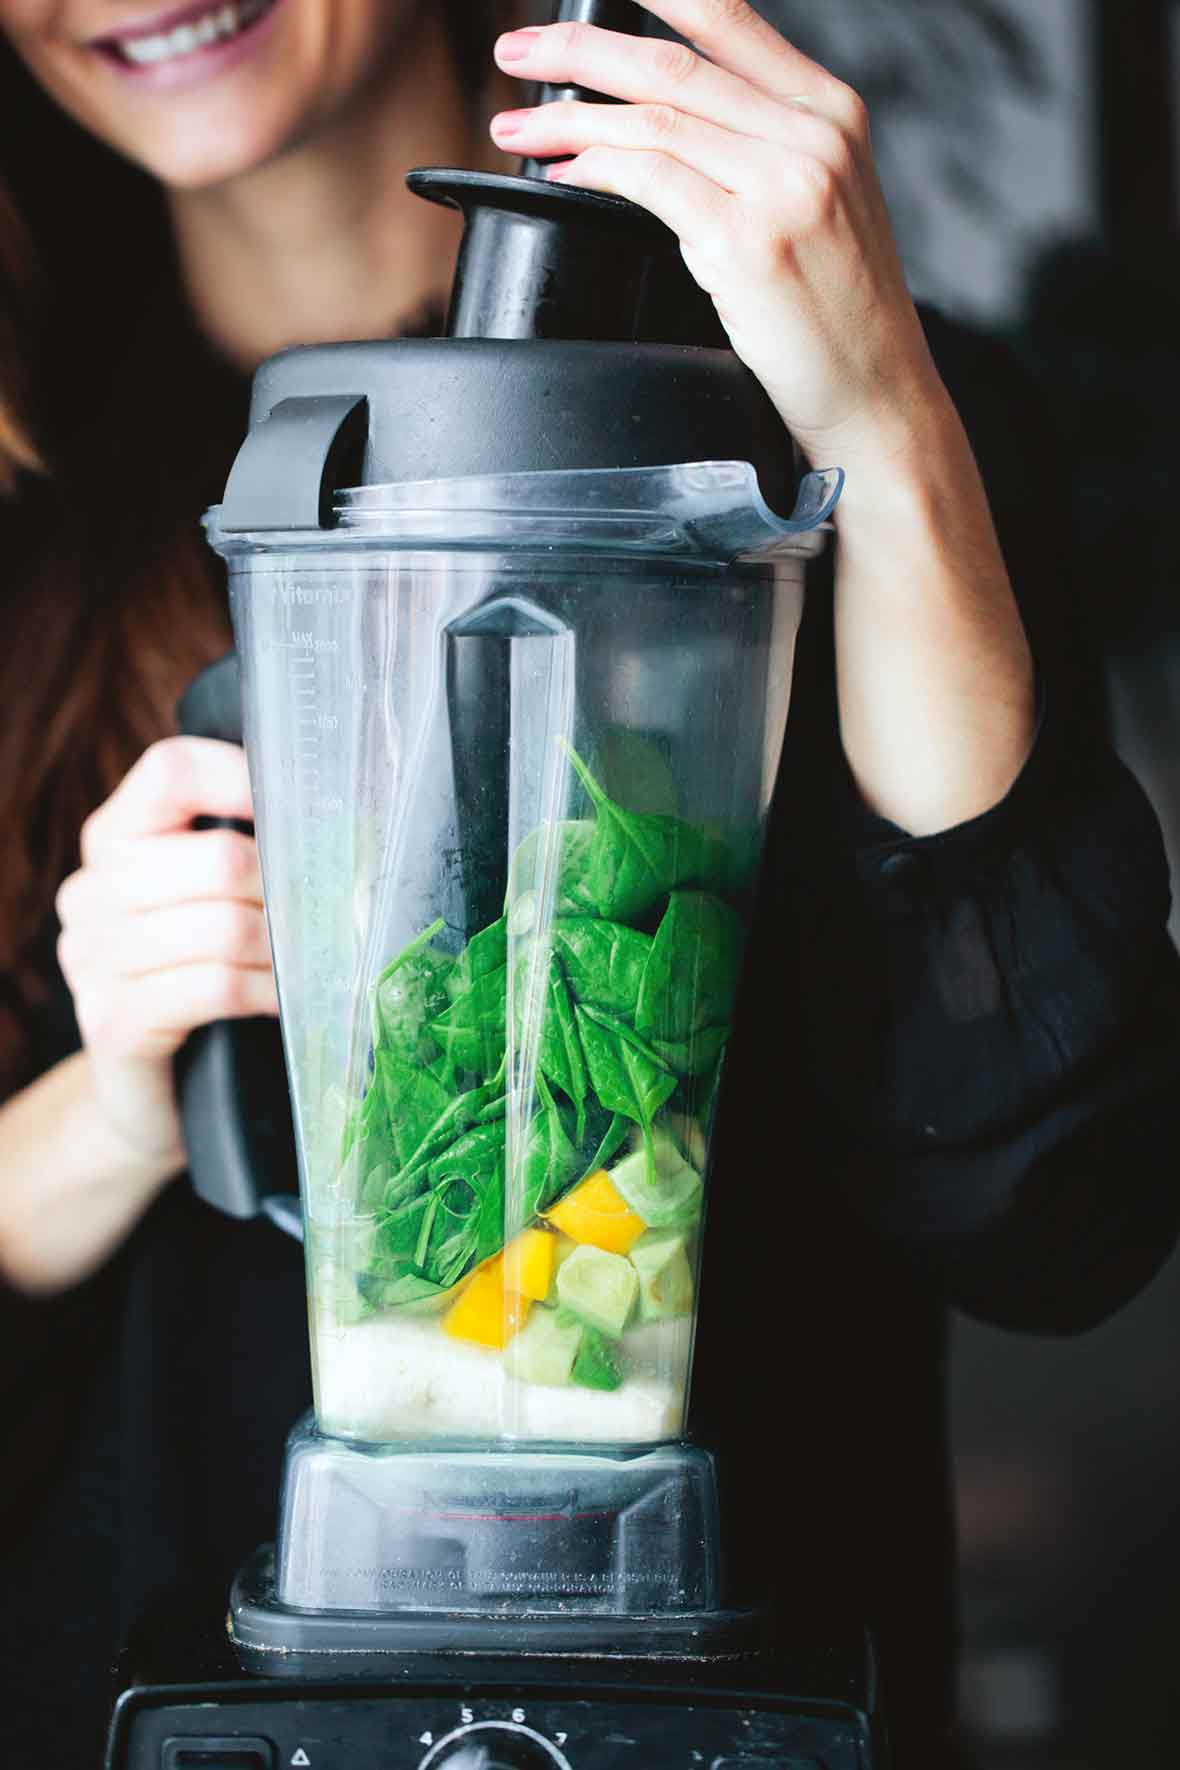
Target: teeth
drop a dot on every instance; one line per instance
(212, 27)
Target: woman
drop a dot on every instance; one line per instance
(967, 923)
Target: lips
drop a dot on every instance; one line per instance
(182, 35)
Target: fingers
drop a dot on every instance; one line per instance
(732, 161)
(172, 783)
(152, 873)
(228, 932)
(151, 1016)
(635, 69)
(690, 204)
(750, 74)
(734, 37)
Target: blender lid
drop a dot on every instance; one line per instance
(702, 512)
(330, 416)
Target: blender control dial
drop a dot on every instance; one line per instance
(494, 1745)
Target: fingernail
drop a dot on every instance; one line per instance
(517, 44)
(509, 122)
(557, 171)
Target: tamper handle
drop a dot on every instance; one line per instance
(231, 1080)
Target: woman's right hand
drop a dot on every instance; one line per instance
(162, 931)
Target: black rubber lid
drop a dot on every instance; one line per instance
(336, 415)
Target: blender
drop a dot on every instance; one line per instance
(514, 612)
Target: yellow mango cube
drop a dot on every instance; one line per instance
(596, 1214)
(486, 1313)
(528, 1263)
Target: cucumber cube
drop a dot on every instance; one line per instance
(666, 1194)
(597, 1363)
(545, 1349)
(599, 1288)
(665, 1275)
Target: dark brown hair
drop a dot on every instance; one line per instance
(111, 601)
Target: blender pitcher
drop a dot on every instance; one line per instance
(515, 621)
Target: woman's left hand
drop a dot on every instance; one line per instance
(759, 161)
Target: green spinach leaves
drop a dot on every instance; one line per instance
(615, 1022)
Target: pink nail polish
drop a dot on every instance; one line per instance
(517, 44)
(508, 123)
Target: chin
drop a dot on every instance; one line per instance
(201, 154)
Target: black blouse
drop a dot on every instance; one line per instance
(953, 1081)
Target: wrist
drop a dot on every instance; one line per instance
(135, 1119)
(906, 470)
(71, 1184)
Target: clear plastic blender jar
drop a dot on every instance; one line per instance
(512, 742)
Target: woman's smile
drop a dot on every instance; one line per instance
(200, 91)
(187, 44)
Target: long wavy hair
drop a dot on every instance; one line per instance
(116, 427)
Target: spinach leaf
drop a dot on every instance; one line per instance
(549, 1164)
(414, 1101)
(612, 1140)
(627, 1075)
(485, 952)
(471, 1032)
(366, 1145)
(488, 1218)
(364, 1171)
(636, 858)
(470, 1156)
(370, 1194)
(553, 855)
(604, 962)
(444, 1069)
(691, 973)
(460, 1112)
(401, 1188)
(465, 1214)
(410, 991)
(399, 1231)
(695, 1055)
(396, 1288)
(558, 1048)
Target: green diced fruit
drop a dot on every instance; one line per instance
(563, 1247)
(566, 1245)
(599, 1288)
(689, 1138)
(660, 1258)
(545, 1348)
(665, 1194)
(597, 1363)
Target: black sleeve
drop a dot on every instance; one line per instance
(991, 1015)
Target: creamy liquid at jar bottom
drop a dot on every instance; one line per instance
(390, 1378)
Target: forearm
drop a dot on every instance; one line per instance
(934, 673)
(70, 1188)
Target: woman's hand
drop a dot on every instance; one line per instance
(162, 931)
(759, 161)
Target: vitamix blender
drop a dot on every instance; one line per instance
(515, 613)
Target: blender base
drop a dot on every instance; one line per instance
(185, 1699)
(271, 1639)
(471, 1548)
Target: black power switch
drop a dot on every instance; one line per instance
(217, 1752)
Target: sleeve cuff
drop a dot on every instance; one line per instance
(865, 851)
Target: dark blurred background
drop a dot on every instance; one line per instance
(1031, 150)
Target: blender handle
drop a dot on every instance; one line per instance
(231, 1080)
